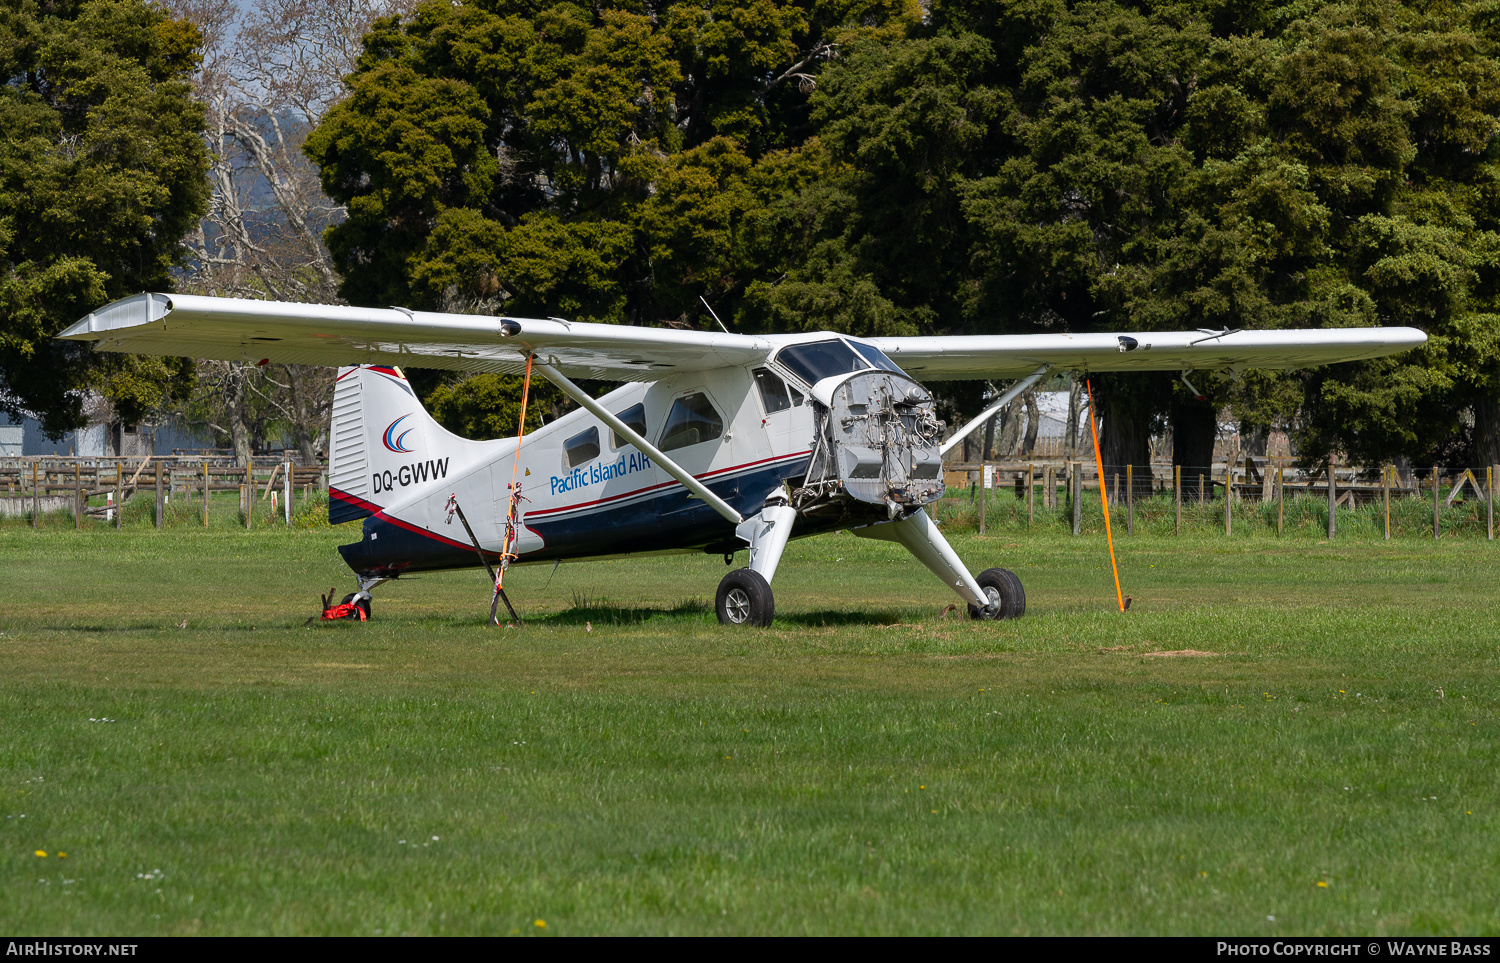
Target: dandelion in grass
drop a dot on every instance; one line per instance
(42, 853)
(1322, 884)
(540, 924)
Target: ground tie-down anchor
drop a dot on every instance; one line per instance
(344, 610)
(454, 508)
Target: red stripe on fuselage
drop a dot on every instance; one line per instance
(428, 532)
(354, 500)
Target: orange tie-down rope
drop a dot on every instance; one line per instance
(1103, 497)
(512, 512)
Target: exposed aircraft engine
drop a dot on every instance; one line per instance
(877, 444)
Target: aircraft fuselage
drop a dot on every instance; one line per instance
(590, 495)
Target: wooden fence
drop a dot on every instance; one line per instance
(100, 488)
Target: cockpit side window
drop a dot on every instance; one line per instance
(582, 447)
(773, 396)
(635, 419)
(692, 420)
(875, 356)
(816, 360)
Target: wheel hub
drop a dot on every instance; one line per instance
(737, 605)
(992, 608)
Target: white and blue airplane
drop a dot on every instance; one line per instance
(716, 443)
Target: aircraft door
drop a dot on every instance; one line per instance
(787, 414)
(693, 436)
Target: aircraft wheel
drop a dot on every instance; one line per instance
(1002, 586)
(745, 599)
(363, 604)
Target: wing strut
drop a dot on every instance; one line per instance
(989, 412)
(651, 451)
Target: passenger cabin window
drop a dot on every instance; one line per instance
(816, 360)
(581, 448)
(635, 419)
(773, 396)
(693, 420)
(875, 356)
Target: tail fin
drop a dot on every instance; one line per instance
(381, 444)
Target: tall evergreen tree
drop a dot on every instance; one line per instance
(101, 173)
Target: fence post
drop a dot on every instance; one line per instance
(1280, 498)
(286, 491)
(205, 493)
(1129, 499)
(158, 494)
(1489, 497)
(36, 497)
(1436, 486)
(1332, 495)
(249, 494)
(77, 496)
(1229, 496)
(1202, 490)
(1385, 493)
(984, 487)
(1177, 495)
(1075, 482)
(119, 494)
(1030, 494)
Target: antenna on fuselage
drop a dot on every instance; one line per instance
(711, 312)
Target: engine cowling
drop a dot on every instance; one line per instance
(877, 441)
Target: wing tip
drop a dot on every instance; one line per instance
(136, 310)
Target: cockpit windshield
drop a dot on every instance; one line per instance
(816, 360)
(875, 356)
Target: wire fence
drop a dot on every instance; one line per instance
(1163, 499)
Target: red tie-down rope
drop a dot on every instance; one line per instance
(512, 513)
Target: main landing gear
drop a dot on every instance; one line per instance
(744, 596)
(745, 599)
(1003, 589)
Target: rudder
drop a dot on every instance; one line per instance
(380, 441)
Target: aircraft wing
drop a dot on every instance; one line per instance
(1012, 356)
(234, 329)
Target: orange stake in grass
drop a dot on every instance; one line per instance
(1103, 497)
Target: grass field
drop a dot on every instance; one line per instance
(1325, 764)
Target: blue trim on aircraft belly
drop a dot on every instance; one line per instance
(670, 521)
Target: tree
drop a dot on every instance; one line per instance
(271, 70)
(1023, 166)
(101, 173)
(598, 163)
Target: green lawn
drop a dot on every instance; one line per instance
(625, 765)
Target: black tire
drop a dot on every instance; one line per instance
(362, 604)
(1003, 586)
(745, 599)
